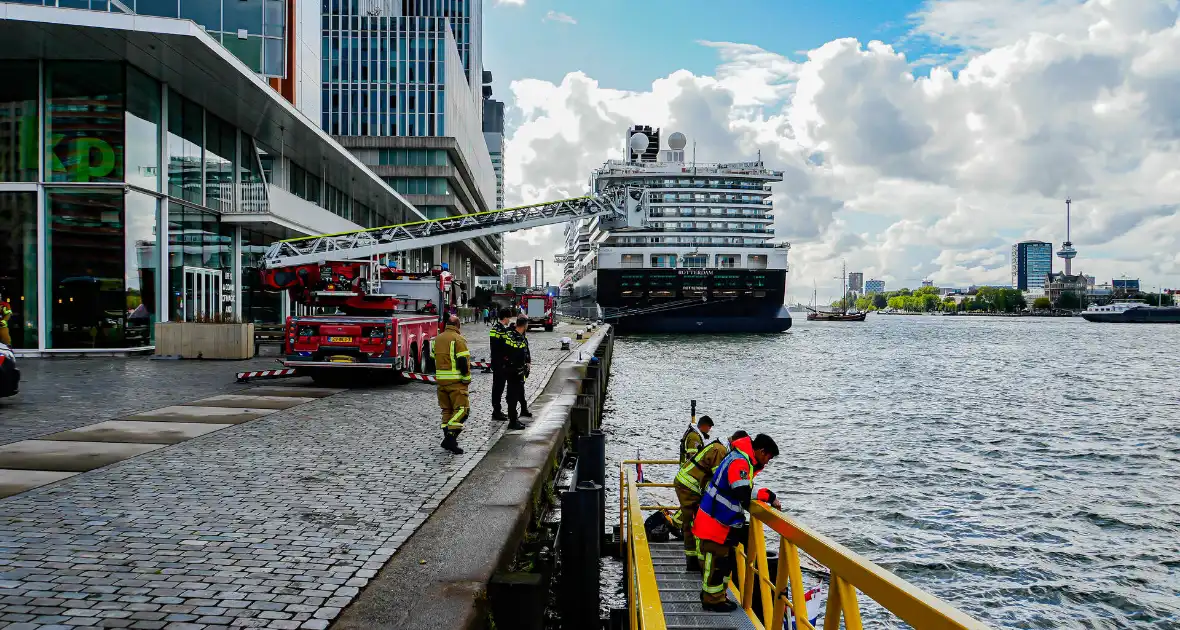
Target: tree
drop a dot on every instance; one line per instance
(948, 303)
(864, 303)
(1069, 300)
(1041, 304)
(880, 301)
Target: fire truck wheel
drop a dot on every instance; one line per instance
(549, 329)
(412, 363)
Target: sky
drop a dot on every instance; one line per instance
(918, 139)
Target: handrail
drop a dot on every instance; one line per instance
(646, 610)
(850, 573)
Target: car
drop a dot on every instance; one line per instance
(9, 374)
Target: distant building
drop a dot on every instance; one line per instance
(1124, 287)
(1099, 294)
(1058, 283)
(927, 283)
(875, 286)
(1090, 280)
(1032, 262)
(856, 281)
(519, 277)
(491, 283)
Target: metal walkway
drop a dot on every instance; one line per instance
(680, 593)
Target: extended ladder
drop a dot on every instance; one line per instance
(395, 238)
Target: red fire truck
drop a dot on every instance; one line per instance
(540, 308)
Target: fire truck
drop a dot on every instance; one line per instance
(540, 308)
(371, 316)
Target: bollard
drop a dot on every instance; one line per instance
(565, 343)
(580, 524)
(579, 334)
(592, 467)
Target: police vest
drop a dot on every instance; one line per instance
(720, 501)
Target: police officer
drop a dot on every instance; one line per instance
(694, 438)
(519, 364)
(497, 336)
(452, 363)
(720, 522)
(689, 485)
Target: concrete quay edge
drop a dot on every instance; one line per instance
(438, 578)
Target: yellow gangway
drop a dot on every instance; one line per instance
(850, 574)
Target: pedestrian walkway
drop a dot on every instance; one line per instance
(276, 521)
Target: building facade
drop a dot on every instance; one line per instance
(874, 286)
(134, 192)
(856, 281)
(401, 89)
(1125, 287)
(1032, 262)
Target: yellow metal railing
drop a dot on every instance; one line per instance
(784, 591)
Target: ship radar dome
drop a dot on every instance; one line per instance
(639, 142)
(677, 141)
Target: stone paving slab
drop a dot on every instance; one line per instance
(132, 432)
(256, 402)
(214, 415)
(276, 522)
(65, 456)
(17, 481)
(282, 390)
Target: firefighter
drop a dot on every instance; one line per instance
(497, 336)
(694, 438)
(689, 480)
(452, 363)
(720, 522)
(5, 314)
(519, 365)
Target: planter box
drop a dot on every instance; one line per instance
(190, 340)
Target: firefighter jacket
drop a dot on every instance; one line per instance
(519, 356)
(497, 336)
(690, 443)
(699, 469)
(727, 495)
(452, 360)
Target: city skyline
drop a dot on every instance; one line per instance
(903, 200)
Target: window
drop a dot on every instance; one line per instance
(84, 122)
(185, 129)
(18, 119)
(220, 162)
(18, 264)
(143, 130)
(101, 279)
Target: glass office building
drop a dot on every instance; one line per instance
(1032, 262)
(253, 30)
(125, 201)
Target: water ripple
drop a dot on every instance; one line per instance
(1025, 470)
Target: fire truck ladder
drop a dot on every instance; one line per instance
(396, 238)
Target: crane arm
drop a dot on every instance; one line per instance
(396, 238)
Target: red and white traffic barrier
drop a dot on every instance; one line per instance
(416, 376)
(246, 376)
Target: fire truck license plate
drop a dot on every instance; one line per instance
(339, 339)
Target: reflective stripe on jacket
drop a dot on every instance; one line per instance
(690, 443)
(497, 334)
(5, 311)
(727, 494)
(449, 347)
(699, 469)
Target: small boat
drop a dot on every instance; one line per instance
(842, 315)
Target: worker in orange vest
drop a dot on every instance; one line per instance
(5, 314)
(720, 522)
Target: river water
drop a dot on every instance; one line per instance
(1025, 469)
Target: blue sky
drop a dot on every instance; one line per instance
(520, 43)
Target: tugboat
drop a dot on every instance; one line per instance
(1132, 313)
(843, 314)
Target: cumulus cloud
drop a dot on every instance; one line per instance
(518, 3)
(909, 176)
(557, 16)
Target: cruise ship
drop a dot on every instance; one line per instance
(698, 255)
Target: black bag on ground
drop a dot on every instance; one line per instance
(657, 527)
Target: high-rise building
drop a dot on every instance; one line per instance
(493, 135)
(874, 286)
(927, 283)
(1032, 262)
(856, 281)
(402, 89)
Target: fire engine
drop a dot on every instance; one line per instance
(372, 315)
(540, 308)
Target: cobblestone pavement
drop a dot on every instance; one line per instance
(62, 394)
(275, 523)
